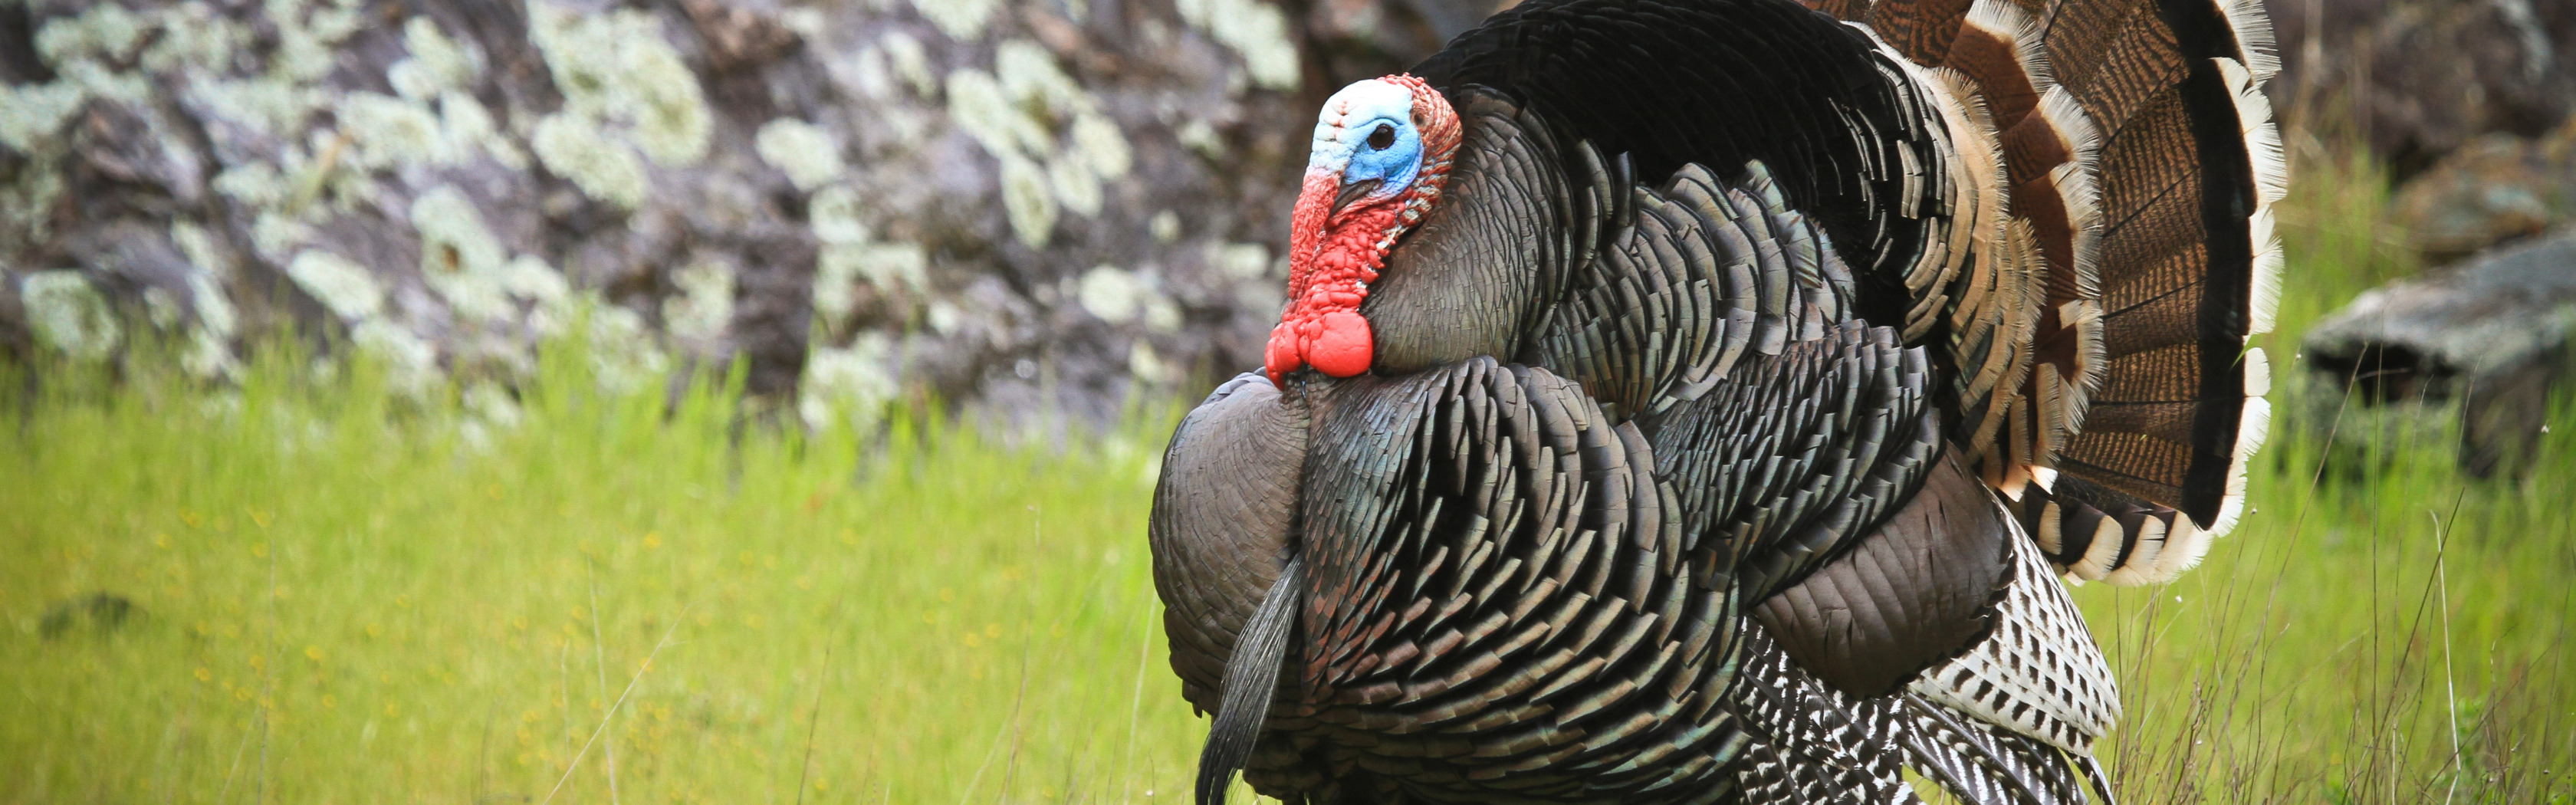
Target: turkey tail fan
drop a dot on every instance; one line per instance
(2104, 381)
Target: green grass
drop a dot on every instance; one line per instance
(2375, 610)
(347, 598)
(344, 595)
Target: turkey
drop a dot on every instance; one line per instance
(1701, 401)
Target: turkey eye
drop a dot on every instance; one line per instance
(1382, 138)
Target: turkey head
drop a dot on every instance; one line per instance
(1381, 157)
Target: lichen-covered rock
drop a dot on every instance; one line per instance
(1020, 206)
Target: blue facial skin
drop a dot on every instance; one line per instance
(1393, 166)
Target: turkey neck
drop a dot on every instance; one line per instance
(1467, 282)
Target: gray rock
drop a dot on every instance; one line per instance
(2480, 347)
(2416, 79)
(1049, 206)
(2498, 188)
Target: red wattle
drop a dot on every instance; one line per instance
(1344, 348)
(1280, 357)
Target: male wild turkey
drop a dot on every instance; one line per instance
(1698, 401)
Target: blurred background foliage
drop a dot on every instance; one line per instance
(499, 401)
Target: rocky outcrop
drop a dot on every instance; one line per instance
(1050, 205)
(2417, 79)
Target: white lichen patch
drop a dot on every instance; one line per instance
(342, 286)
(885, 265)
(306, 32)
(810, 24)
(276, 234)
(209, 352)
(459, 257)
(160, 308)
(945, 317)
(106, 31)
(850, 255)
(704, 306)
(32, 114)
(1028, 200)
(254, 184)
(804, 151)
(835, 291)
(888, 266)
(489, 409)
(1249, 262)
(981, 108)
(962, 20)
(468, 126)
(910, 62)
(864, 74)
(616, 70)
(208, 355)
(265, 107)
(1256, 275)
(386, 132)
(604, 169)
(1028, 74)
(28, 204)
(67, 313)
(528, 277)
(1054, 145)
(623, 352)
(1148, 366)
(835, 212)
(410, 362)
(199, 246)
(1075, 186)
(1119, 296)
(491, 403)
(1165, 226)
(1198, 135)
(437, 63)
(337, 178)
(194, 35)
(102, 80)
(1255, 30)
(1098, 141)
(850, 385)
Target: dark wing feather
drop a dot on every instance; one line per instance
(1220, 530)
(1920, 590)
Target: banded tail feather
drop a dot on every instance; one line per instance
(2140, 151)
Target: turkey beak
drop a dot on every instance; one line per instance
(1354, 192)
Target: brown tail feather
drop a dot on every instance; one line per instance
(2099, 336)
